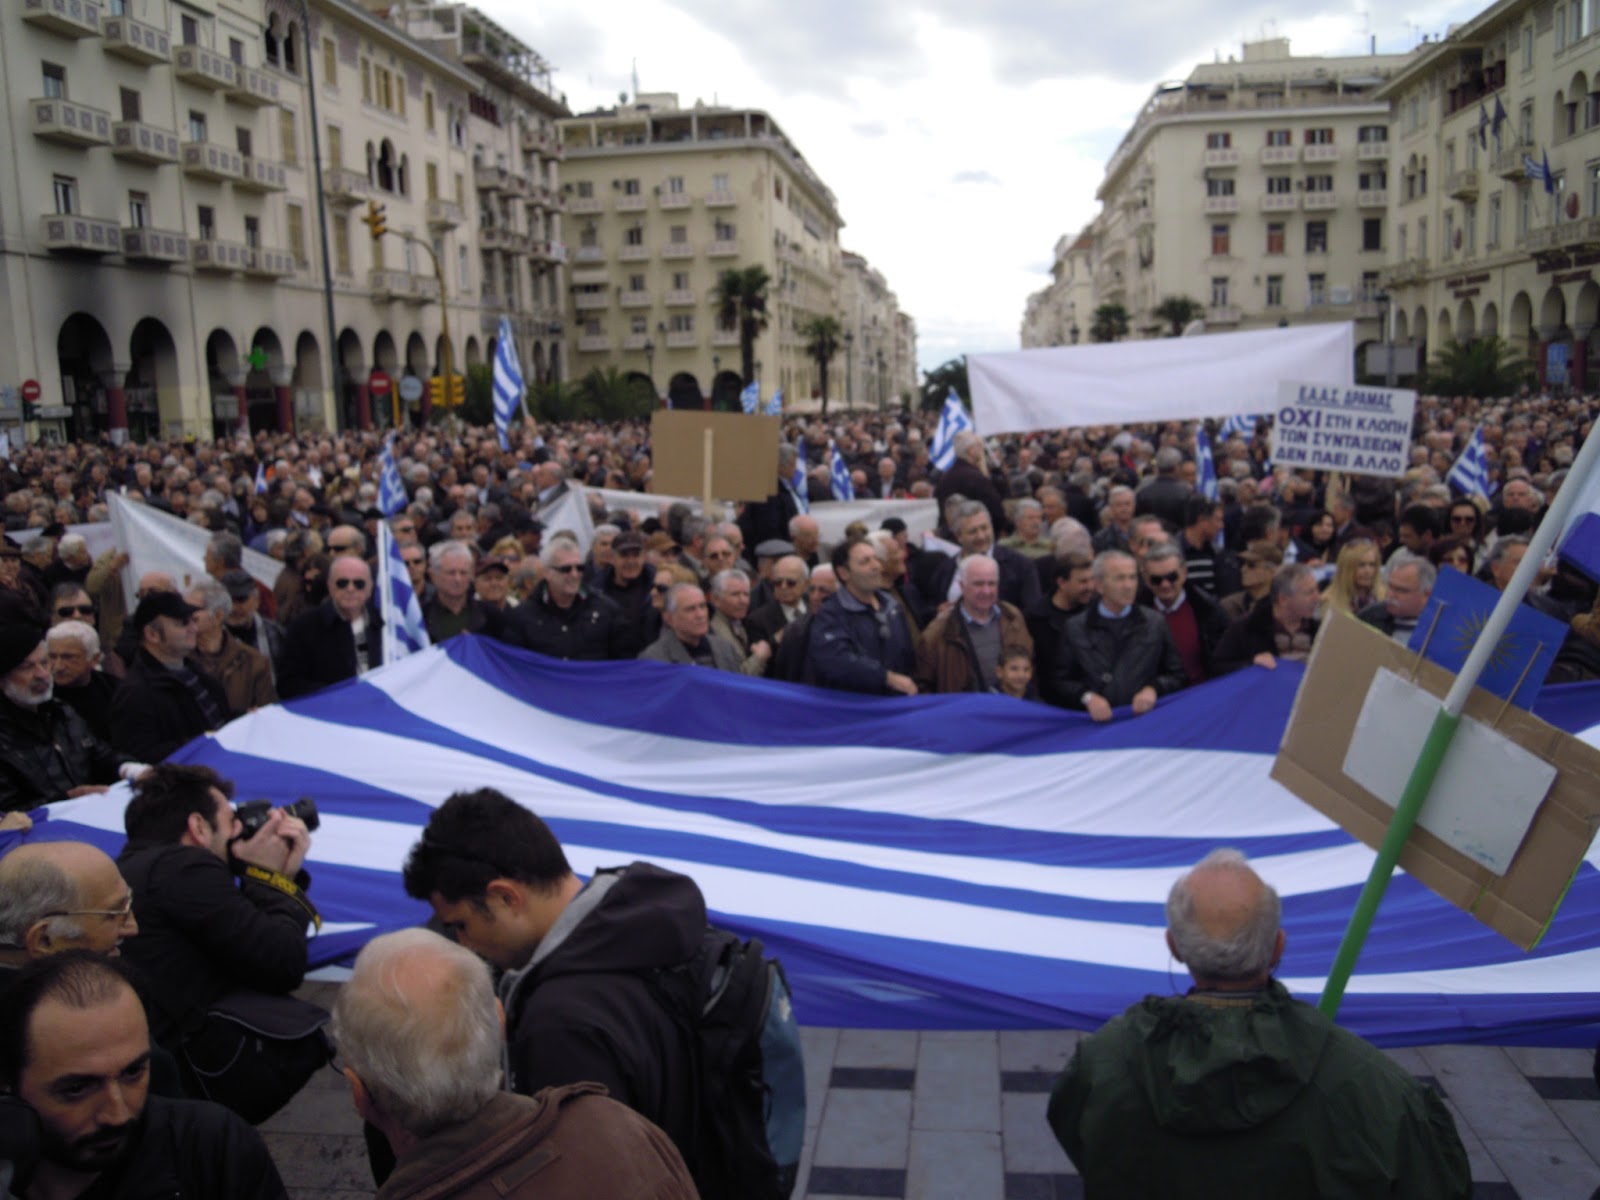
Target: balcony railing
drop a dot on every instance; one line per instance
(143, 244)
(70, 18)
(136, 41)
(1280, 202)
(548, 252)
(344, 187)
(207, 160)
(204, 67)
(678, 250)
(678, 297)
(385, 284)
(268, 264)
(1321, 152)
(253, 87)
(138, 142)
(494, 237)
(213, 254)
(723, 248)
(1222, 314)
(682, 339)
(1508, 162)
(634, 341)
(1222, 204)
(633, 253)
(582, 205)
(1223, 156)
(1279, 154)
(444, 214)
(594, 343)
(589, 254)
(59, 120)
(635, 299)
(1320, 201)
(74, 233)
(724, 337)
(591, 301)
(261, 175)
(1372, 151)
(1411, 270)
(1462, 185)
(1373, 198)
(630, 203)
(491, 178)
(1569, 235)
(675, 200)
(717, 199)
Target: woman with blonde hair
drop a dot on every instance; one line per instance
(1357, 580)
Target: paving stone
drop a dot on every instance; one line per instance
(1487, 1089)
(1409, 1059)
(1028, 1081)
(1564, 1087)
(1030, 1146)
(317, 1110)
(1582, 1117)
(818, 1045)
(948, 1165)
(1552, 1060)
(864, 1129)
(328, 1162)
(1037, 1049)
(1556, 1168)
(1500, 1190)
(856, 1181)
(1043, 1187)
(876, 1048)
(1482, 1164)
(958, 1083)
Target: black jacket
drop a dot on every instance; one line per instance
(1045, 627)
(1019, 582)
(1208, 616)
(854, 647)
(153, 713)
(639, 614)
(319, 649)
(769, 519)
(592, 630)
(195, 1150)
(46, 752)
(1164, 496)
(92, 700)
(1115, 659)
(203, 933)
(974, 484)
(766, 622)
(1254, 633)
(582, 1009)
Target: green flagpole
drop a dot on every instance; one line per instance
(1446, 722)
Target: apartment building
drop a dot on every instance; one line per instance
(876, 368)
(1059, 314)
(1257, 187)
(661, 200)
(164, 264)
(1479, 247)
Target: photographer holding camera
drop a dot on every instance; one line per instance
(220, 897)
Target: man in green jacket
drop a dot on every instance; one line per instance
(1237, 1089)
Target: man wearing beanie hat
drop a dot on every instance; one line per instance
(165, 699)
(46, 751)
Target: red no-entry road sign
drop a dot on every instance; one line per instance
(379, 383)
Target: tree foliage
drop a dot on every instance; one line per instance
(822, 336)
(936, 384)
(741, 298)
(1110, 323)
(1177, 312)
(1483, 367)
(614, 395)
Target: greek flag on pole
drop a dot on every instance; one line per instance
(507, 382)
(952, 420)
(1207, 468)
(750, 398)
(404, 631)
(391, 489)
(775, 404)
(841, 474)
(1238, 426)
(1471, 472)
(797, 482)
(261, 478)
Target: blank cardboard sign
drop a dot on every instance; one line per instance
(1517, 904)
(744, 455)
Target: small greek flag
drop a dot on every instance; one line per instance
(1206, 475)
(404, 631)
(1238, 426)
(840, 473)
(775, 404)
(750, 398)
(261, 479)
(1470, 475)
(952, 420)
(507, 383)
(391, 489)
(797, 483)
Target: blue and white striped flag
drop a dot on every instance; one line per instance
(1470, 475)
(507, 383)
(952, 420)
(797, 482)
(404, 630)
(775, 404)
(391, 488)
(840, 472)
(261, 478)
(1206, 473)
(750, 398)
(1238, 426)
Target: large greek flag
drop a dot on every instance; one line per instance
(391, 488)
(928, 862)
(1470, 475)
(952, 420)
(507, 382)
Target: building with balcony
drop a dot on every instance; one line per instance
(1479, 247)
(1059, 314)
(165, 266)
(876, 368)
(1258, 187)
(663, 199)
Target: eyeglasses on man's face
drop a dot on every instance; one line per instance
(360, 585)
(110, 914)
(75, 610)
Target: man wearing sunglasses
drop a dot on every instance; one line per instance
(564, 619)
(166, 699)
(339, 639)
(1196, 620)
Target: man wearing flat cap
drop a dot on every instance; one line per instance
(46, 751)
(165, 699)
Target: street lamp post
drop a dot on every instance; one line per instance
(883, 382)
(1387, 299)
(650, 362)
(849, 371)
(1076, 332)
(322, 221)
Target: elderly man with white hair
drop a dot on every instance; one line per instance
(244, 673)
(969, 477)
(74, 658)
(420, 1036)
(1236, 1082)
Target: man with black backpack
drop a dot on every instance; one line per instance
(621, 981)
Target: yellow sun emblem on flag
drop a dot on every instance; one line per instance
(1469, 628)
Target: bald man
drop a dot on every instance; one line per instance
(57, 896)
(1210, 1093)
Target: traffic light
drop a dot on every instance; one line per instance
(457, 395)
(375, 219)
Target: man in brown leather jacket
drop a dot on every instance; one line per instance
(419, 1031)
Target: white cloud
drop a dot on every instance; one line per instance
(961, 140)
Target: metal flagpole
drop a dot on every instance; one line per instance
(1445, 723)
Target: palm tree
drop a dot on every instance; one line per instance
(1178, 311)
(615, 395)
(822, 343)
(1484, 366)
(939, 382)
(741, 296)
(1110, 323)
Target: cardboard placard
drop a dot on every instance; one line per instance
(1517, 905)
(744, 456)
(1358, 430)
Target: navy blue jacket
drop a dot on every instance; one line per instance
(854, 647)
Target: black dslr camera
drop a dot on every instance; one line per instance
(253, 815)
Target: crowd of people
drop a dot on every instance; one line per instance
(1081, 568)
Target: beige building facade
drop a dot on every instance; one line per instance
(661, 200)
(1480, 248)
(1059, 314)
(1258, 188)
(162, 255)
(876, 369)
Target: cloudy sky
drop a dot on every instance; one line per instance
(961, 139)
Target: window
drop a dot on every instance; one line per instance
(639, 324)
(1374, 181)
(588, 236)
(366, 81)
(1218, 141)
(1469, 228)
(1525, 122)
(1449, 158)
(1447, 244)
(1370, 287)
(335, 146)
(633, 236)
(1219, 241)
(1369, 135)
(593, 328)
(681, 323)
(55, 82)
(1280, 137)
(1219, 291)
(236, 51)
(725, 231)
(585, 189)
(244, 141)
(1276, 237)
(330, 63)
(341, 245)
(189, 30)
(252, 232)
(288, 138)
(427, 111)
(1319, 183)
(139, 209)
(1527, 47)
(636, 283)
(680, 281)
(1402, 242)
(1372, 233)
(197, 127)
(461, 187)
(430, 180)
(383, 88)
(674, 185)
(1561, 27)
(206, 218)
(1274, 291)
(1316, 237)
(1319, 137)
(630, 187)
(1491, 237)
(1219, 186)
(296, 222)
(719, 183)
(678, 235)
(1422, 237)
(464, 269)
(1422, 178)
(1316, 288)
(1279, 185)
(131, 105)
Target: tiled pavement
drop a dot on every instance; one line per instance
(930, 1116)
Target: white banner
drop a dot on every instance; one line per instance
(1360, 431)
(1164, 379)
(158, 541)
